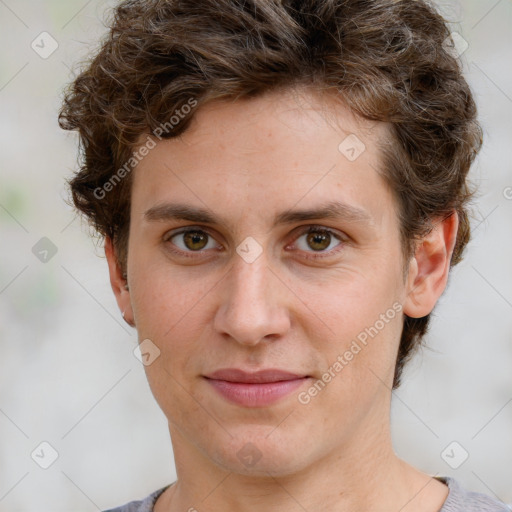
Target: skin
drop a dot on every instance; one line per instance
(246, 161)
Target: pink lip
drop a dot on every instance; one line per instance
(256, 389)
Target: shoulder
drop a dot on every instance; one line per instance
(462, 500)
(145, 505)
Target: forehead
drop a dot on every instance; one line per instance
(276, 150)
(294, 121)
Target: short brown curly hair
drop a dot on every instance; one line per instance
(388, 59)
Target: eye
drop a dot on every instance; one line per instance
(318, 241)
(191, 240)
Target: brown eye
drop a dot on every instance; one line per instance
(318, 240)
(195, 240)
(190, 241)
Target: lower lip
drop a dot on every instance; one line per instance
(255, 395)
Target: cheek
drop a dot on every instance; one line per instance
(359, 360)
(173, 317)
(352, 300)
(170, 314)
(164, 300)
(364, 319)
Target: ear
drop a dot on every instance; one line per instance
(428, 269)
(118, 283)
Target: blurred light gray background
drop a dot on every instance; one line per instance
(68, 376)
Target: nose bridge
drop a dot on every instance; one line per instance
(250, 281)
(252, 305)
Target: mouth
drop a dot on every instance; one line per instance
(254, 389)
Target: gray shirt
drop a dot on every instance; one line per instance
(458, 500)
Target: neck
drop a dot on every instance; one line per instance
(363, 474)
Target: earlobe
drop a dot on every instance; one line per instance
(119, 283)
(429, 268)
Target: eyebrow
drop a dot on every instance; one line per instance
(335, 210)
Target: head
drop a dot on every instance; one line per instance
(251, 111)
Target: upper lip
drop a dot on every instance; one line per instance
(259, 377)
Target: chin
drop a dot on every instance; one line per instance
(254, 455)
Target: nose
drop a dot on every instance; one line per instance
(253, 305)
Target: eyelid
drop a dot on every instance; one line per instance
(185, 229)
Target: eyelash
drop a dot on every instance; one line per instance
(308, 229)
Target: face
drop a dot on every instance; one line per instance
(261, 239)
